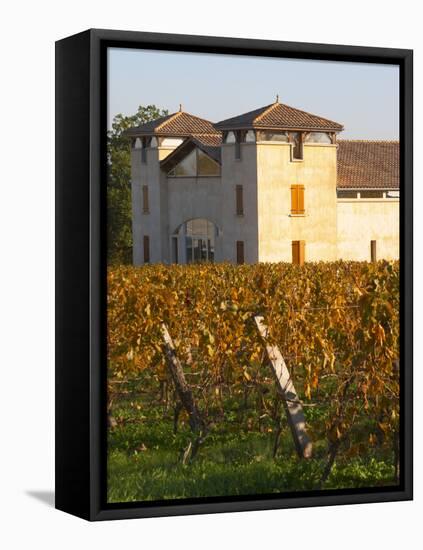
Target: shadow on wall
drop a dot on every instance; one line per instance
(46, 497)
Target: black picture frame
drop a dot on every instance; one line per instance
(81, 270)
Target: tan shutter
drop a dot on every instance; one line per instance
(146, 249)
(145, 205)
(240, 252)
(239, 200)
(373, 251)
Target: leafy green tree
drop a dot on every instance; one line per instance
(119, 210)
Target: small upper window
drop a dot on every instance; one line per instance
(318, 137)
(250, 137)
(346, 194)
(371, 194)
(229, 138)
(274, 136)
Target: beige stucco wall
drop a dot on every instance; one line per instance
(239, 228)
(154, 223)
(363, 220)
(137, 217)
(190, 198)
(277, 228)
(331, 228)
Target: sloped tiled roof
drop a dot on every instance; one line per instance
(279, 116)
(177, 124)
(209, 140)
(368, 164)
(209, 143)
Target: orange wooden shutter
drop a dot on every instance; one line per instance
(301, 252)
(294, 199)
(298, 252)
(297, 199)
(300, 195)
(295, 252)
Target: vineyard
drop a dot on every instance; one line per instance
(336, 326)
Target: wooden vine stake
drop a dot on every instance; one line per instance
(291, 402)
(185, 395)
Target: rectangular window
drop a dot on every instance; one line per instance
(146, 249)
(342, 194)
(239, 200)
(298, 252)
(370, 194)
(297, 199)
(145, 205)
(373, 251)
(240, 252)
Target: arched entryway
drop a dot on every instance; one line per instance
(194, 241)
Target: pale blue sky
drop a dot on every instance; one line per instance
(363, 97)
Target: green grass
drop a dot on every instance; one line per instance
(145, 460)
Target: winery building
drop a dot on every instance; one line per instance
(274, 184)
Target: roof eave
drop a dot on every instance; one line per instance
(280, 128)
(374, 188)
(133, 132)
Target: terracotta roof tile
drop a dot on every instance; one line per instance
(210, 140)
(279, 116)
(176, 124)
(368, 164)
(210, 144)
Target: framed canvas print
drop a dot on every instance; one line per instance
(234, 274)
